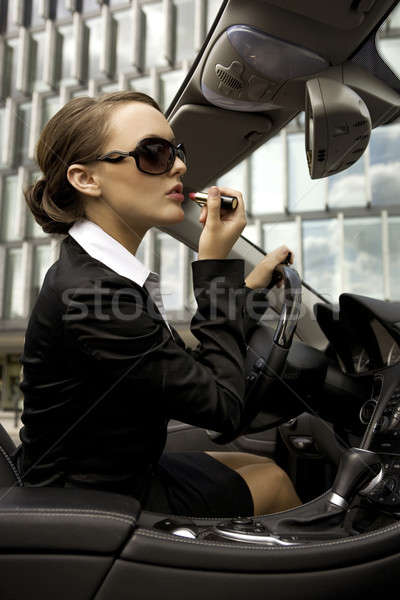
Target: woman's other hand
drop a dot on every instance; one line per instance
(221, 227)
(261, 275)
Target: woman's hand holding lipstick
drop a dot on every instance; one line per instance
(221, 227)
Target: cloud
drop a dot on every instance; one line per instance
(385, 183)
(321, 258)
(349, 190)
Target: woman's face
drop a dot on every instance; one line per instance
(141, 200)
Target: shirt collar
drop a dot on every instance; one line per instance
(109, 251)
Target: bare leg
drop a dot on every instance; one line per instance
(270, 487)
(235, 460)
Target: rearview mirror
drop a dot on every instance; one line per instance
(337, 127)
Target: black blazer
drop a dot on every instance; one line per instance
(102, 375)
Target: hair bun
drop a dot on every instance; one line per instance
(38, 189)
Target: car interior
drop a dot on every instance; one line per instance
(323, 380)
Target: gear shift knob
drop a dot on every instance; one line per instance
(357, 468)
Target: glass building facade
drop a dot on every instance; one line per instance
(345, 231)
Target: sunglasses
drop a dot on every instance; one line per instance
(153, 155)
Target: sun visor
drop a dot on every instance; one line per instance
(212, 136)
(246, 67)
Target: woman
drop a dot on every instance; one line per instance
(103, 371)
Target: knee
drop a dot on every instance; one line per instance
(277, 476)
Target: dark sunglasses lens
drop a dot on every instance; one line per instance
(156, 157)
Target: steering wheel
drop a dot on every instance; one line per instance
(267, 351)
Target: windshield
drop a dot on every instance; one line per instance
(344, 230)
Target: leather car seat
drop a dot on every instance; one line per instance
(8, 472)
(56, 542)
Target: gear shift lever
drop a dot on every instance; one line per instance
(357, 468)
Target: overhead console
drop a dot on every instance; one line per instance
(248, 70)
(345, 15)
(246, 67)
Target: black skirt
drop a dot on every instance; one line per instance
(196, 484)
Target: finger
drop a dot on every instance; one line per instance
(203, 214)
(240, 209)
(283, 252)
(226, 212)
(213, 205)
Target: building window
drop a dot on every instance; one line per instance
(384, 149)
(11, 209)
(277, 234)
(36, 61)
(89, 6)
(50, 106)
(184, 30)
(22, 132)
(2, 125)
(152, 28)
(267, 178)
(235, 178)
(212, 9)
(42, 261)
(11, 27)
(122, 35)
(363, 266)
(348, 188)
(190, 303)
(140, 252)
(394, 257)
(10, 67)
(14, 285)
(171, 271)
(92, 42)
(251, 234)
(64, 52)
(389, 49)
(321, 257)
(33, 229)
(108, 87)
(394, 19)
(304, 192)
(78, 93)
(60, 10)
(170, 84)
(32, 15)
(116, 3)
(141, 84)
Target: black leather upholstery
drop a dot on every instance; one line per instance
(65, 519)
(59, 519)
(163, 549)
(152, 582)
(8, 472)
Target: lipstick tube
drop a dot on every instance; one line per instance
(229, 202)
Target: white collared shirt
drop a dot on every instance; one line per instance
(110, 252)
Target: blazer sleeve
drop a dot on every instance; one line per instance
(256, 304)
(116, 330)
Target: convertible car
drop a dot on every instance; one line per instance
(322, 379)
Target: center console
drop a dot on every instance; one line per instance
(368, 479)
(386, 443)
